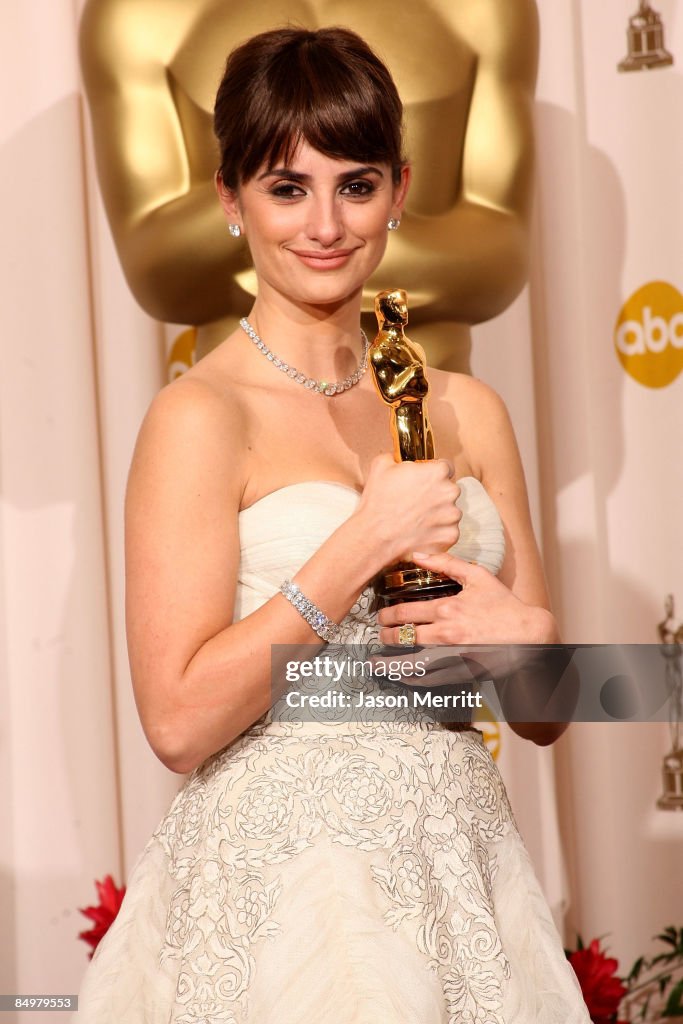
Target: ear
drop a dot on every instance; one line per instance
(401, 190)
(229, 200)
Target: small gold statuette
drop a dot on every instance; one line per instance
(671, 639)
(645, 34)
(398, 370)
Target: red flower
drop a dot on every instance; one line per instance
(110, 900)
(602, 990)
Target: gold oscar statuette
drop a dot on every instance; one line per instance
(398, 370)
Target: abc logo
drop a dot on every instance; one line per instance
(648, 334)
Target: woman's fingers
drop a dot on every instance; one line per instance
(450, 565)
(411, 611)
(484, 612)
(449, 619)
(427, 618)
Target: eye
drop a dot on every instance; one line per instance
(287, 190)
(362, 188)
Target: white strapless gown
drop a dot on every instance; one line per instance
(336, 874)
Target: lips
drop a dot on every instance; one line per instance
(323, 260)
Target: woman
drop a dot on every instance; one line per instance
(308, 871)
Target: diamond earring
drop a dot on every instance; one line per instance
(235, 230)
(393, 224)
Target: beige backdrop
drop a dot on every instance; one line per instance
(80, 363)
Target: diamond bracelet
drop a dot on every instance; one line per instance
(317, 620)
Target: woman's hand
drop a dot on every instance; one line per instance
(484, 612)
(408, 505)
(538, 693)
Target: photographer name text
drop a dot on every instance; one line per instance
(366, 699)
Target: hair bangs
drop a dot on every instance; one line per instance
(326, 87)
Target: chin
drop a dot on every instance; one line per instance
(327, 293)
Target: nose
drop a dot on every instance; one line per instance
(325, 220)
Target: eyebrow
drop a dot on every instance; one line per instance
(285, 172)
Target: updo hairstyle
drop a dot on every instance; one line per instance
(327, 87)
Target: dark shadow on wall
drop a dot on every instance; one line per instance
(581, 269)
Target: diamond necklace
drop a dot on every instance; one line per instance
(323, 387)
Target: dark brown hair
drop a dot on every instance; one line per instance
(326, 87)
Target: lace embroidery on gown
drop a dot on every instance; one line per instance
(347, 874)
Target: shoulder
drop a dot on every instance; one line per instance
(507, 22)
(468, 394)
(114, 19)
(191, 433)
(496, 29)
(120, 34)
(196, 408)
(484, 426)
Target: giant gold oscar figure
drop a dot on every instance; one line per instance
(466, 73)
(398, 369)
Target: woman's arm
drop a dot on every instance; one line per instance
(199, 679)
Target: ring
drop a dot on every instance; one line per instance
(407, 635)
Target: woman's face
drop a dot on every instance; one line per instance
(317, 228)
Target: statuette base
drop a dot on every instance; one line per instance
(407, 582)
